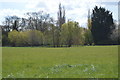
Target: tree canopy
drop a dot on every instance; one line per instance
(40, 29)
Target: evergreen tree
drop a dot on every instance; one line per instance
(102, 25)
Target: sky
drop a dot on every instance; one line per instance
(76, 10)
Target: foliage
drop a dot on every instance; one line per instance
(88, 37)
(115, 36)
(28, 38)
(71, 34)
(89, 24)
(5, 40)
(102, 25)
(60, 21)
(13, 37)
(34, 38)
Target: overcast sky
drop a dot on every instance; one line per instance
(76, 10)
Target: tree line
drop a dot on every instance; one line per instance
(40, 29)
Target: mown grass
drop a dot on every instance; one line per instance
(74, 62)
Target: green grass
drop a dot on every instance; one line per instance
(0, 63)
(74, 62)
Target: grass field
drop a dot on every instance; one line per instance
(0, 63)
(74, 62)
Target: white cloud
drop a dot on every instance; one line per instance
(59, 0)
(75, 9)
